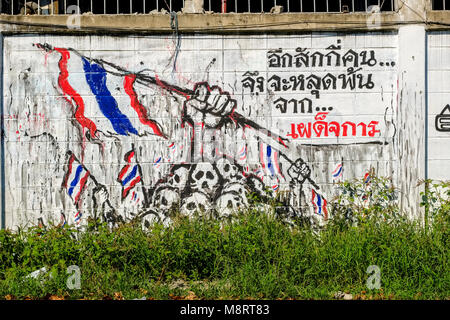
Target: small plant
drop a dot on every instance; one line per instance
(436, 201)
(369, 198)
(254, 255)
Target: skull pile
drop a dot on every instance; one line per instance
(200, 188)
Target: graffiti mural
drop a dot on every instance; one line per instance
(110, 128)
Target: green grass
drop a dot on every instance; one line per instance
(256, 256)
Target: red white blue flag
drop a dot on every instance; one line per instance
(102, 100)
(130, 174)
(78, 217)
(75, 179)
(367, 177)
(269, 159)
(320, 204)
(338, 171)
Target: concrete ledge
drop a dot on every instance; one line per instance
(438, 20)
(211, 23)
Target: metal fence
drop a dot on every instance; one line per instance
(331, 6)
(15, 7)
(440, 5)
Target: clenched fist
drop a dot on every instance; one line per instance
(209, 105)
(299, 171)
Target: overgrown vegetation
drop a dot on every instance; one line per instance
(255, 256)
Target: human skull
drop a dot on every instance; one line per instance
(256, 185)
(229, 171)
(236, 188)
(152, 218)
(197, 202)
(164, 198)
(229, 203)
(179, 178)
(204, 177)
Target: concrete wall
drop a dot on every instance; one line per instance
(203, 126)
(439, 105)
(115, 119)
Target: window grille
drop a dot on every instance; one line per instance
(440, 4)
(332, 6)
(16, 7)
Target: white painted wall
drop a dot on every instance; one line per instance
(41, 127)
(438, 99)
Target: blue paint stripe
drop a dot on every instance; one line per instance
(75, 180)
(338, 173)
(96, 78)
(130, 176)
(269, 160)
(319, 203)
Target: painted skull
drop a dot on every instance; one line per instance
(230, 172)
(204, 177)
(165, 198)
(197, 202)
(229, 203)
(179, 178)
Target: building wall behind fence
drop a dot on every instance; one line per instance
(131, 126)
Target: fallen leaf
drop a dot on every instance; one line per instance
(191, 296)
(143, 291)
(118, 296)
(9, 297)
(174, 297)
(53, 297)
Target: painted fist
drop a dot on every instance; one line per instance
(209, 105)
(299, 171)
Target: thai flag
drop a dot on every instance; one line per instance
(320, 204)
(102, 101)
(243, 153)
(78, 217)
(134, 197)
(157, 162)
(62, 220)
(130, 174)
(245, 170)
(75, 179)
(172, 149)
(259, 173)
(367, 177)
(269, 159)
(338, 171)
